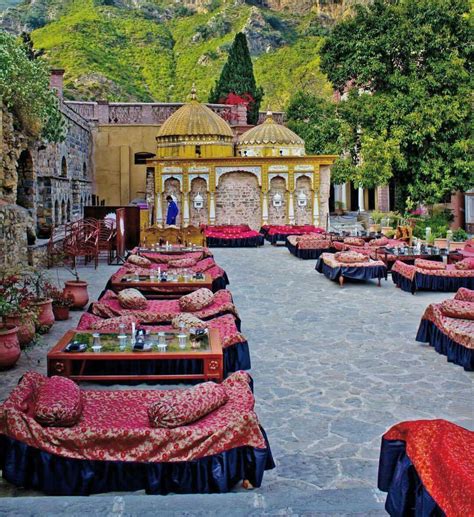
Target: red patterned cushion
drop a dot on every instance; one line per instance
(58, 403)
(184, 262)
(464, 294)
(139, 261)
(383, 241)
(189, 321)
(467, 263)
(181, 407)
(430, 264)
(132, 299)
(458, 309)
(350, 257)
(354, 241)
(204, 265)
(197, 300)
(112, 324)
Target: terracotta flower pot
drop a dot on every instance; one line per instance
(45, 316)
(26, 328)
(78, 290)
(453, 246)
(60, 313)
(9, 346)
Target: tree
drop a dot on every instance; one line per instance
(25, 91)
(406, 64)
(315, 120)
(237, 78)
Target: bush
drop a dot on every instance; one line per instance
(460, 235)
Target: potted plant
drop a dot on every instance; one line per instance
(38, 284)
(17, 299)
(459, 239)
(339, 208)
(62, 302)
(77, 289)
(376, 217)
(9, 345)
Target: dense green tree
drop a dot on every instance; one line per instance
(25, 91)
(407, 64)
(316, 121)
(237, 78)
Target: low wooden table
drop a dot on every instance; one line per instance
(93, 366)
(155, 289)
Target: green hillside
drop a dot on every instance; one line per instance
(154, 50)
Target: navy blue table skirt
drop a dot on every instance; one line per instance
(354, 273)
(32, 468)
(424, 282)
(247, 242)
(306, 254)
(407, 495)
(428, 332)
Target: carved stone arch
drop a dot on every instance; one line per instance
(198, 215)
(63, 172)
(172, 187)
(303, 215)
(26, 181)
(278, 185)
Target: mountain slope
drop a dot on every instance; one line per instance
(154, 50)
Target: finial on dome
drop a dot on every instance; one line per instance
(269, 115)
(193, 92)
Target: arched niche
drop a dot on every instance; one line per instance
(238, 199)
(277, 215)
(63, 167)
(57, 214)
(172, 187)
(303, 215)
(25, 192)
(198, 215)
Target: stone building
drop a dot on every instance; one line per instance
(262, 176)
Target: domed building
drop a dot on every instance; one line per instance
(261, 177)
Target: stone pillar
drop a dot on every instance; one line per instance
(56, 80)
(324, 189)
(383, 199)
(361, 200)
(315, 209)
(265, 208)
(344, 195)
(102, 114)
(291, 208)
(212, 208)
(185, 208)
(337, 193)
(158, 209)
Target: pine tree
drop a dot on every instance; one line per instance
(237, 78)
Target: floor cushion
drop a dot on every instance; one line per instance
(113, 324)
(383, 241)
(181, 407)
(132, 299)
(184, 262)
(188, 321)
(458, 309)
(196, 300)
(58, 403)
(464, 294)
(350, 257)
(354, 241)
(467, 263)
(139, 261)
(429, 264)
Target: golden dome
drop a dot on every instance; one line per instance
(194, 121)
(270, 133)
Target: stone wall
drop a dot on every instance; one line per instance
(238, 200)
(14, 222)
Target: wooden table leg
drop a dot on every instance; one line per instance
(341, 281)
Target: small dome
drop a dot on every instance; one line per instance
(194, 121)
(270, 133)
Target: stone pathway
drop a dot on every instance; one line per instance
(333, 369)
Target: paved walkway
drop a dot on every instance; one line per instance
(333, 369)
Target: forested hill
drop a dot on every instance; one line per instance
(154, 49)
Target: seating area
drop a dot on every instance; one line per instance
(232, 236)
(426, 275)
(277, 233)
(309, 246)
(449, 328)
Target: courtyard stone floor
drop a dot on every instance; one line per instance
(333, 369)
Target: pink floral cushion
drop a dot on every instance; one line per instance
(58, 403)
(112, 324)
(430, 264)
(188, 321)
(132, 299)
(458, 309)
(184, 262)
(467, 263)
(383, 241)
(354, 241)
(350, 257)
(204, 265)
(181, 407)
(139, 261)
(196, 300)
(464, 294)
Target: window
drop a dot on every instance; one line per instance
(141, 158)
(197, 149)
(63, 168)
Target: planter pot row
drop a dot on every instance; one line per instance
(19, 332)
